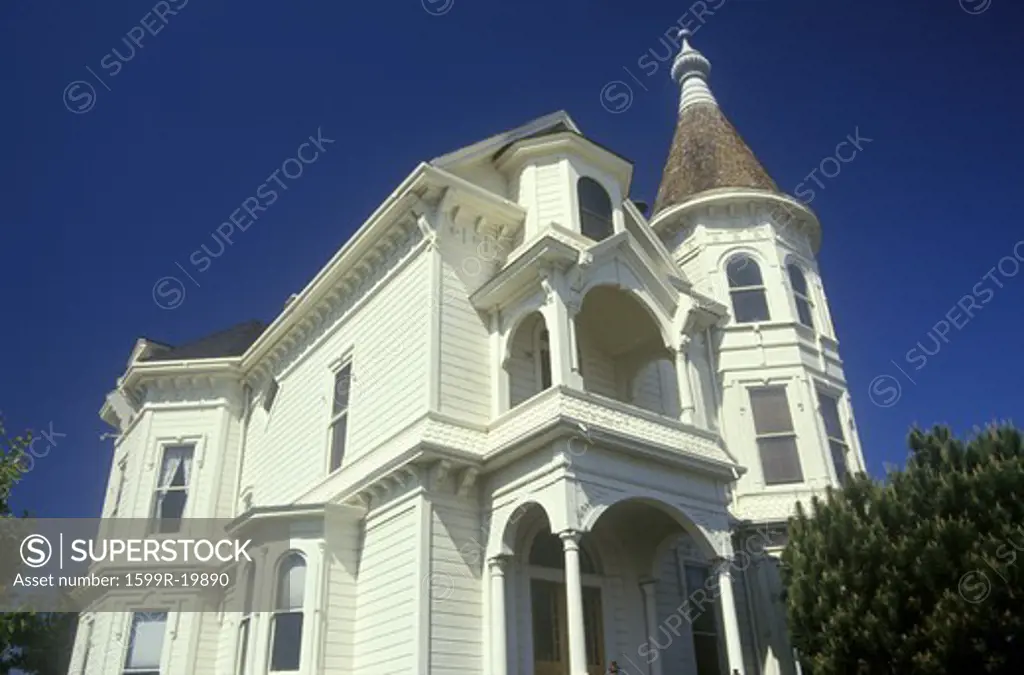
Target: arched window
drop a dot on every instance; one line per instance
(595, 209)
(542, 355)
(746, 289)
(286, 622)
(245, 625)
(801, 296)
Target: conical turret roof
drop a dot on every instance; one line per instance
(707, 152)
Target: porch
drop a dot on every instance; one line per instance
(635, 582)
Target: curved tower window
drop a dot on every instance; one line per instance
(801, 296)
(595, 209)
(746, 290)
(286, 623)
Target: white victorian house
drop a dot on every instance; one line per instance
(514, 426)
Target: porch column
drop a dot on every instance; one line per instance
(686, 405)
(651, 611)
(574, 603)
(733, 644)
(499, 627)
(559, 321)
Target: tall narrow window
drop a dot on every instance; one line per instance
(704, 623)
(595, 209)
(834, 430)
(145, 643)
(245, 625)
(172, 488)
(746, 289)
(286, 623)
(801, 296)
(339, 415)
(542, 355)
(776, 438)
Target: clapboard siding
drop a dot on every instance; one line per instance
(456, 592)
(598, 369)
(339, 596)
(386, 611)
(287, 450)
(654, 388)
(465, 350)
(551, 197)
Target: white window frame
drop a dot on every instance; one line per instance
(837, 396)
(164, 446)
(798, 296)
(301, 610)
(334, 418)
(758, 436)
(125, 670)
(732, 290)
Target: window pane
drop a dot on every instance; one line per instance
(797, 280)
(176, 465)
(595, 209)
(705, 649)
(342, 387)
(838, 458)
(146, 640)
(338, 442)
(287, 647)
(743, 271)
(593, 625)
(750, 306)
(701, 608)
(545, 620)
(291, 583)
(803, 312)
(771, 411)
(595, 226)
(830, 415)
(780, 460)
(170, 507)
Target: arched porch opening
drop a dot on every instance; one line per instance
(538, 578)
(638, 584)
(673, 582)
(529, 359)
(623, 353)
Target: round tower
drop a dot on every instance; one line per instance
(783, 407)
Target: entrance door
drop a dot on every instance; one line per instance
(550, 629)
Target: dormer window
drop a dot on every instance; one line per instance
(595, 209)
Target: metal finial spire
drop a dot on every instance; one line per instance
(691, 69)
(683, 35)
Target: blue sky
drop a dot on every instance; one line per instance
(100, 203)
